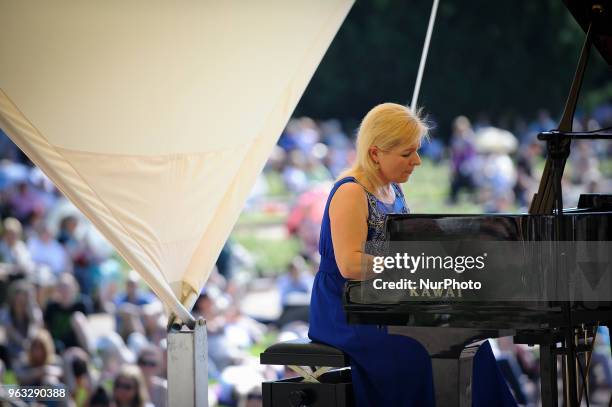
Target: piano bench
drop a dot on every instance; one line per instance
(323, 387)
(303, 352)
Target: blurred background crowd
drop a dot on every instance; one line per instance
(74, 313)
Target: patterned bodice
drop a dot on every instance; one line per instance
(377, 215)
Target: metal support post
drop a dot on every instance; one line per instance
(188, 366)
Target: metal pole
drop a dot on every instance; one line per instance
(188, 365)
(417, 86)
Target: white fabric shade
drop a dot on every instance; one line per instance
(156, 117)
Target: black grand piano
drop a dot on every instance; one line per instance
(563, 329)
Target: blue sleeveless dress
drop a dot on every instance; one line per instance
(387, 370)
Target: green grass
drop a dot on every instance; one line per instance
(428, 188)
(276, 187)
(254, 219)
(268, 339)
(606, 167)
(272, 254)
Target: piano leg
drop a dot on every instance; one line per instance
(453, 378)
(548, 375)
(452, 356)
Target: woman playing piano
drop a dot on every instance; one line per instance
(387, 370)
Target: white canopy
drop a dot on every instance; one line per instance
(156, 117)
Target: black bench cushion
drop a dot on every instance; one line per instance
(303, 352)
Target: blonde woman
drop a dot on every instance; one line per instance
(130, 388)
(387, 370)
(41, 365)
(22, 318)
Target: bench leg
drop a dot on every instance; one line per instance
(307, 376)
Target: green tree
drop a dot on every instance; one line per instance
(504, 58)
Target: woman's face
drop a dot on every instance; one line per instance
(20, 302)
(38, 353)
(124, 390)
(396, 165)
(65, 294)
(149, 363)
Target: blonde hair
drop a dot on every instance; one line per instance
(386, 126)
(12, 224)
(134, 374)
(43, 337)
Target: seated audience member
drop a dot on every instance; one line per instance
(40, 367)
(60, 312)
(99, 398)
(84, 261)
(297, 282)
(295, 287)
(79, 376)
(220, 355)
(113, 353)
(149, 361)
(241, 331)
(154, 322)
(108, 285)
(13, 250)
(24, 202)
(133, 294)
(48, 251)
(22, 318)
(463, 158)
(128, 321)
(129, 388)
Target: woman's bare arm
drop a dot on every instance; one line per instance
(348, 215)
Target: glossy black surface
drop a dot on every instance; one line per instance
(601, 18)
(592, 223)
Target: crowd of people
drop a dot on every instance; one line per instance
(499, 170)
(65, 318)
(73, 314)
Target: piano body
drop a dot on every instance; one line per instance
(447, 328)
(565, 329)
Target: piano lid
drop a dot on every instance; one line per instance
(599, 12)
